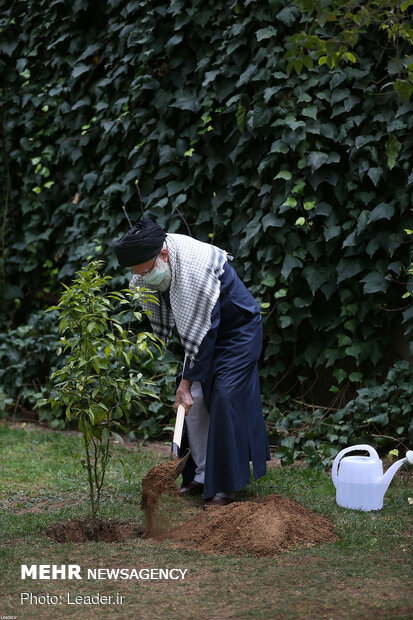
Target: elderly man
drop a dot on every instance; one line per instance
(219, 325)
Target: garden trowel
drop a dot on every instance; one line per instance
(176, 441)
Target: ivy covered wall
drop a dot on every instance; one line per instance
(306, 179)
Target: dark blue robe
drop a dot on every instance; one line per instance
(227, 368)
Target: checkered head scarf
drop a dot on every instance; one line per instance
(195, 287)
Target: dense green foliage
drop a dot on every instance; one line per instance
(26, 355)
(380, 414)
(307, 179)
(346, 23)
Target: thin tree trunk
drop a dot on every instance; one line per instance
(90, 478)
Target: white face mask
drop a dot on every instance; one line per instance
(160, 276)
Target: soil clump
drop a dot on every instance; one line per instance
(82, 530)
(265, 527)
(160, 479)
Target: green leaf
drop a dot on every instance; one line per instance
(283, 174)
(290, 263)
(288, 15)
(348, 268)
(173, 41)
(285, 321)
(316, 159)
(382, 211)
(393, 147)
(351, 57)
(186, 101)
(375, 174)
(310, 111)
(375, 283)
(290, 202)
(340, 374)
(299, 187)
(331, 232)
(240, 116)
(392, 453)
(351, 240)
(289, 121)
(381, 418)
(279, 147)
(80, 70)
(269, 280)
(266, 33)
(339, 94)
(271, 220)
(408, 314)
(315, 276)
(117, 437)
(261, 116)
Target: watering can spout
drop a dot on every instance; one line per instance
(388, 476)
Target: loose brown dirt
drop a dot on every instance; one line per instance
(159, 480)
(265, 528)
(79, 530)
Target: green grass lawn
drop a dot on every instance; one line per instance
(367, 573)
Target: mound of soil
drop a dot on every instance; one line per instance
(79, 530)
(264, 527)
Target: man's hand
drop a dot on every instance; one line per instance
(183, 395)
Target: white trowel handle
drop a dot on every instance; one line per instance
(179, 425)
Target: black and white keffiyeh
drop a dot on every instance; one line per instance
(196, 267)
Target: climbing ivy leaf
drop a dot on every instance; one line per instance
(393, 147)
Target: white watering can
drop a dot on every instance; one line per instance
(360, 482)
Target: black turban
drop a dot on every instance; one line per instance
(141, 243)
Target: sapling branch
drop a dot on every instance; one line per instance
(215, 218)
(183, 219)
(398, 441)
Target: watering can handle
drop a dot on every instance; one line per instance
(362, 446)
